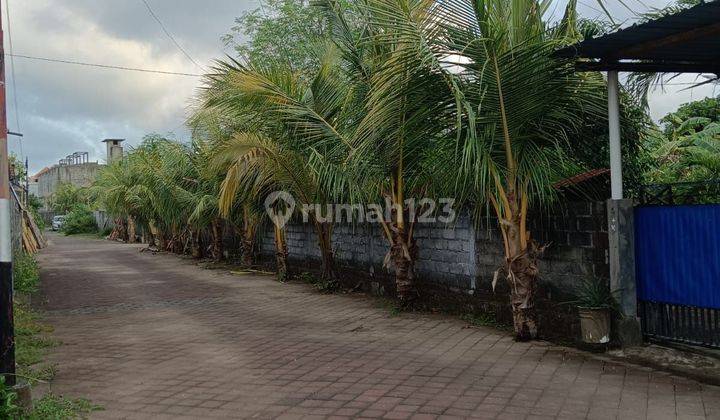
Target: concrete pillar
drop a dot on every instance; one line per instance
(621, 256)
(616, 186)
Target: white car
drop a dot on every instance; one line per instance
(57, 222)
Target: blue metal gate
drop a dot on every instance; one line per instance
(677, 251)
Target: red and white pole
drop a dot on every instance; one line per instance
(7, 328)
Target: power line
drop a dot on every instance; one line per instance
(686, 83)
(169, 35)
(12, 74)
(104, 66)
(175, 73)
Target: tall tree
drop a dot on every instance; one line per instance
(405, 98)
(279, 31)
(690, 153)
(517, 107)
(298, 119)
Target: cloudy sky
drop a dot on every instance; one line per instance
(66, 108)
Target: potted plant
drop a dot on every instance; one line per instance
(595, 302)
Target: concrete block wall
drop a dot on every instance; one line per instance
(576, 237)
(103, 220)
(446, 253)
(462, 257)
(578, 243)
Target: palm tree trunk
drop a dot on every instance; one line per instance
(248, 246)
(404, 254)
(176, 241)
(132, 238)
(281, 253)
(161, 240)
(324, 233)
(153, 235)
(521, 272)
(403, 248)
(196, 246)
(248, 238)
(217, 246)
(119, 230)
(520, 267)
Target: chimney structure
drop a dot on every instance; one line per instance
(114, 150)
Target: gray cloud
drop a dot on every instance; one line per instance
(65, 108)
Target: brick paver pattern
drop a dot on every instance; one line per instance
(155, 336)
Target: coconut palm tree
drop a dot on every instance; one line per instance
(517, 108)
(300, 119)
(197, 191)
(250, 178)
(397, 113)
(123, 194)
(150, 188)
(154, 160)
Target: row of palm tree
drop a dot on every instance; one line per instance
(166, 188)
(407, 98)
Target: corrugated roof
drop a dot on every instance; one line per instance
(580, 178)
(40, 172)
(686, 41)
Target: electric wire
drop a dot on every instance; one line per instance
(14, 83)
(175, 73)
(104, 66)
(169, 35)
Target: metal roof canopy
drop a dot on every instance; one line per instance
(685, 42)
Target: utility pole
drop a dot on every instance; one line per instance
(27, 184)
(7, 327)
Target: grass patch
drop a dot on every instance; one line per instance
(322, 285)
(31, 336)
(57, 407)
(49, 407)
(26, 273)
(31, 344)
(484, 319)
(391, 306)
(32, 341)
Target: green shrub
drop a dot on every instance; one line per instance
(39, 221)
(48, 407)
(34, 205)
(8, 398)
(57, 407)
(594, 293)
(26, 274)
(79, 220)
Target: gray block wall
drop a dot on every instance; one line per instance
(463, 257)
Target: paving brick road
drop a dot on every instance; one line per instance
(154, 336)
